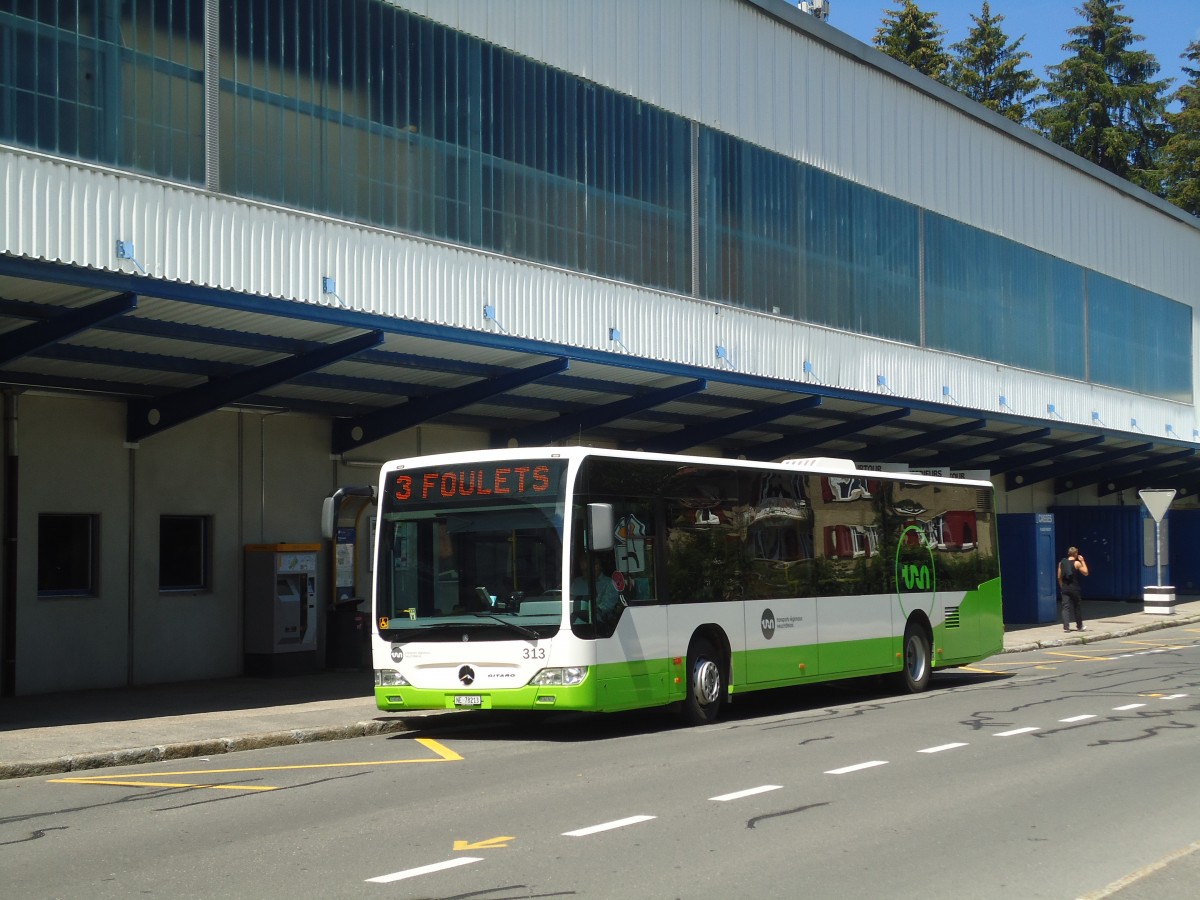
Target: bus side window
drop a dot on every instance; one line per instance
(578, 587)
(695, 540)
(634, 550)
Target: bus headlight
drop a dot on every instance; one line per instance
(390, 678)
(565, 676)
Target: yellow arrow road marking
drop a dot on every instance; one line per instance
(489, 844)
(442, 751)
(444, 754)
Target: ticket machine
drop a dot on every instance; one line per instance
(281, 623)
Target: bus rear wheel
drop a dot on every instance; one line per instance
(914, 677)
(706, 683)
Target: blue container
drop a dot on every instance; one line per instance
(1183, 550)
(1118, 544)
(1027, 561)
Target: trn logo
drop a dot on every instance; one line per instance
(767, 623)
(915, 577)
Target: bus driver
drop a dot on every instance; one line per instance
(608, 600)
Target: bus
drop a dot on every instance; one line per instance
(572, 578)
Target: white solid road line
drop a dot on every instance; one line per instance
(607, 826)
(848, 769)
(424, 870)
(749, 792)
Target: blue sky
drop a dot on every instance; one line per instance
(1167, 25)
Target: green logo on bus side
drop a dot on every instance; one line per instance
(914, 576)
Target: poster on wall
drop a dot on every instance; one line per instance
(344, 563)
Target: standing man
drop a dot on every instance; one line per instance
(1069, 572)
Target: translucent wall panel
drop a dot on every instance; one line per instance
(119, 83)
(1137, 340)
(750, 225)
(582, 177)
(995, 299)
(861, 259)
(992, 298)
(783, 237)
(366, 112)
(161, 129)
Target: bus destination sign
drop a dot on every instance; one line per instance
(499, 480)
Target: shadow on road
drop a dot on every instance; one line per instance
(577, 727)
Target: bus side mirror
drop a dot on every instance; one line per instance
(600, 526)
(332, 504)
(328, 517)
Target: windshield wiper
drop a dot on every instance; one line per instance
(520, 629)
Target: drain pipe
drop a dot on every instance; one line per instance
(9, 531)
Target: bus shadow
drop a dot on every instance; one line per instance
(581, 727)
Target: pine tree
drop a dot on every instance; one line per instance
(986, 68)
(1181, 155)
(912, 36)
(1101, 101)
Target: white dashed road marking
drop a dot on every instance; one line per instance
(848, 769)
(749, 792)
(607, 826)
(425, 870)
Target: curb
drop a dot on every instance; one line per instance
(1095, 637)
(208, 747)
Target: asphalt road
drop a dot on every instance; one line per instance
(1058, 774)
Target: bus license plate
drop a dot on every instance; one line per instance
(468, 700)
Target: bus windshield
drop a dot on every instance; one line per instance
(464, 551)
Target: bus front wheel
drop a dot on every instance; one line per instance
(914, 677)
(706, 683)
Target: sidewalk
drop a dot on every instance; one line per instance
(54, 733)
(50, 734)
(1105, 619)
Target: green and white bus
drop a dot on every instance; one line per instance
(581, 579)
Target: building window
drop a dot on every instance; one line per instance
(184, 553)
(116, 83)
(67, 555)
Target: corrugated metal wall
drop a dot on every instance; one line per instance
(74, 214)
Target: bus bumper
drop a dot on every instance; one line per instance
(574, 697)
